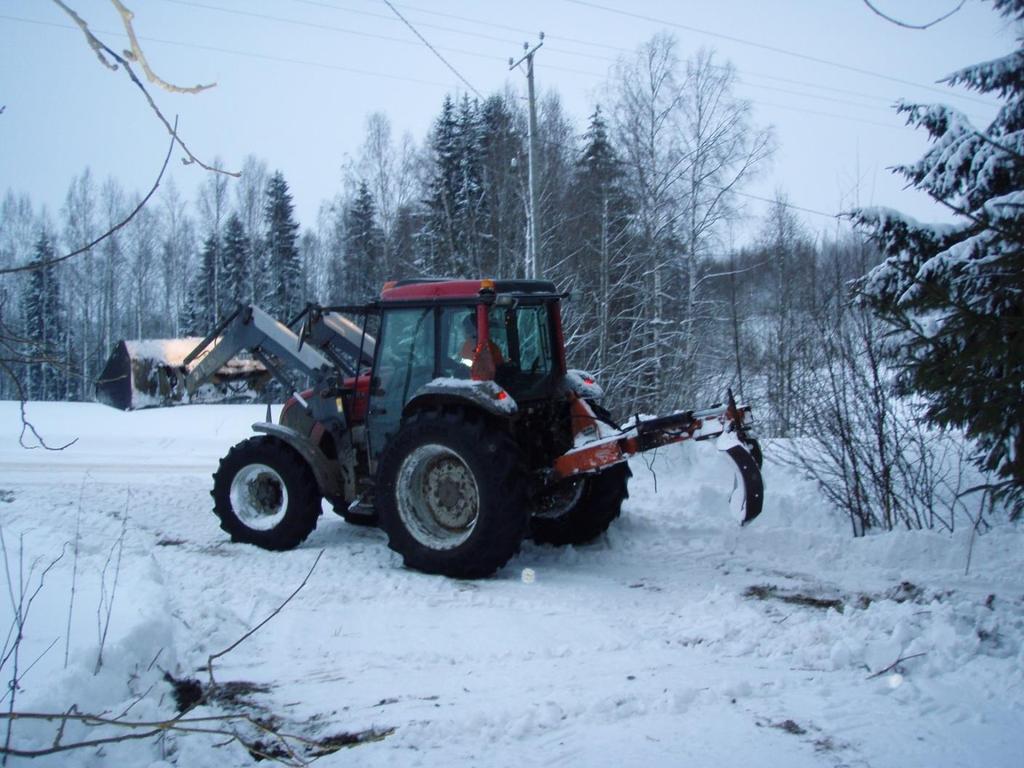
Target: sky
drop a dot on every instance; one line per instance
(296, 80)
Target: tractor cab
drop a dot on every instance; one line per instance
(437, 336)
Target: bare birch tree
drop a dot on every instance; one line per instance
(723, 149)
(647, 111)
(689, 144)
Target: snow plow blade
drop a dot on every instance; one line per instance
(599, 447)
(753, 483)
(149, 373)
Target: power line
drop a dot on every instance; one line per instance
(312, 25)
(784, 204)
(389, 17)
(435, 51)
(372, 73)
(883, 101)
(300, 62)
(622, 50)
(776, 49)
(833, 115)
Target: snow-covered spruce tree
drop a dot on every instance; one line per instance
(43, 320)
(438, 235)
(285, 299)
(364, 249)
(199, 314)
(502, 175)
(236, 280)
(600, 269)
(954, 294)
(455, 199)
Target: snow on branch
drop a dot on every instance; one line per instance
(999, 75)
(136, 54)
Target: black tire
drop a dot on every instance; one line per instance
(265, 494)
(450, 495)
(581, 510)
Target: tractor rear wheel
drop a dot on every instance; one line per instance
(265, 494)
(450, 495)
(580, 510)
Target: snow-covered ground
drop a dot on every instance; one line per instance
(677, 639)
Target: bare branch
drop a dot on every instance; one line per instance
(136, 54)
(120, 61)
(26, 425)
(41, 264)
(904, 24)
(251, 632)
(895, 664)
(213, 725)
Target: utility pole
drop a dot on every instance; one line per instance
(532, 239)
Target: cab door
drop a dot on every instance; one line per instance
(404, 362)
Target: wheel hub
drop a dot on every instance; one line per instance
(561, 500)
(450, 492)
(438, 499)
(259, 496)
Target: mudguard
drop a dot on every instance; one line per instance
(486, 395)
(325, 470)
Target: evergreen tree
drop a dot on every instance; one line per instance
(955, 293)
(456, 201)
(470, 198)
(600, 264)
(199, 312)
(502, 180)
(236, 281)
(364, 248)
(43, 327)
(439, 237)
(283, 262)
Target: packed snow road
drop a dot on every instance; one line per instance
(676, 639)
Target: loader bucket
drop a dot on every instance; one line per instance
(149, 373)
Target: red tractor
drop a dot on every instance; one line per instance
(456, 426)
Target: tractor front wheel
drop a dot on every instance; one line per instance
(450, 495)
(580, 510)
(265, 494)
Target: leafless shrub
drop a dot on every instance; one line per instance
(22, 589)
(112, 566)
(872, 456)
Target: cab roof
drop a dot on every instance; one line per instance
(429, 288)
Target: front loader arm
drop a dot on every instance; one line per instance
(254, 330)
(598, 446)
(271, 342)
